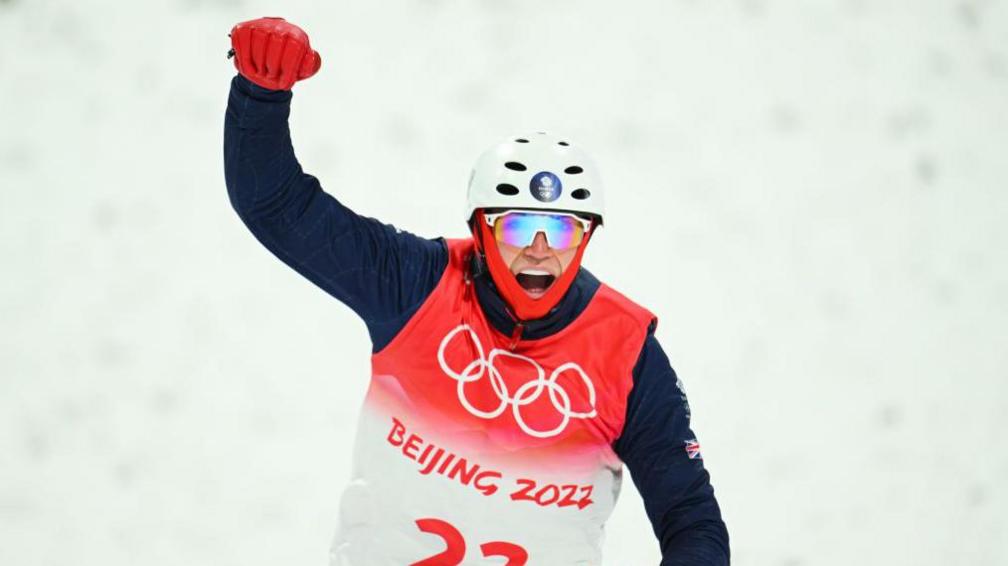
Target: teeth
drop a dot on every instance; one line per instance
(535, 272)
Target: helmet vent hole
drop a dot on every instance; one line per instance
(522, 140)
(515, 166)
(563, 143)
(573, 170)
(581, 194)
(506, 189)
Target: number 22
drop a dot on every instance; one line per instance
(455, 545)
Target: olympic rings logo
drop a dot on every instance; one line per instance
(483, 366)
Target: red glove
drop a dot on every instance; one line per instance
(273, 53)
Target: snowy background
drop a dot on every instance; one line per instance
(811, 195)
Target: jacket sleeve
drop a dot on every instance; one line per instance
(383, 274)
(671, 479)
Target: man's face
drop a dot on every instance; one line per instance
(537, 266)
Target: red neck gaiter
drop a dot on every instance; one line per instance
(524, 307)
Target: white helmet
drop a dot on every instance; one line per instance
(538, 172)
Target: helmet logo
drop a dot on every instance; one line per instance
(545, 186)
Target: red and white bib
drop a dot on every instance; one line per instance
(468, 452)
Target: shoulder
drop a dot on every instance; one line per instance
(618, 304)
(459, 251)
(625, 323)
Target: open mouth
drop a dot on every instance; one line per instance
(535, 281)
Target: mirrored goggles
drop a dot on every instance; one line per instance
(518, 228)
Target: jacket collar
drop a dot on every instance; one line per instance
(497, 312)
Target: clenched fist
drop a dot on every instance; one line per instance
(273, 53)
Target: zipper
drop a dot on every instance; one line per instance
(516, 335)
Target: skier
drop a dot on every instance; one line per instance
(509, 385)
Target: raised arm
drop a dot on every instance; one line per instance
(658, 448)
(381, 273)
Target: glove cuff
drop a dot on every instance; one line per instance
(257, 92)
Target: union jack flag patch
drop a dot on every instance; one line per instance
(693, 449)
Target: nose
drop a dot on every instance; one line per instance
(539, 249)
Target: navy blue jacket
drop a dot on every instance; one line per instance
(384, 275)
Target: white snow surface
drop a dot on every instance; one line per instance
(810, 195)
